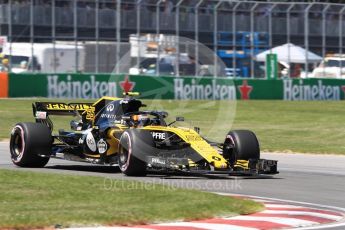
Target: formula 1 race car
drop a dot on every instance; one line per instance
(114, 131)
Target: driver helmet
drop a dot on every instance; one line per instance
(143, 120)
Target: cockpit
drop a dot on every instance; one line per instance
(144, 118)
(126, 111)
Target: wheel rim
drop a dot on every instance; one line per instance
(123, 155)
(124, 151)
(231, 142)
(17, 144)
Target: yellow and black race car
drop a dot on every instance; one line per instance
(114, 131)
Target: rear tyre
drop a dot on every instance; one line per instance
(241, 145)
(134, 147)
(29, 143)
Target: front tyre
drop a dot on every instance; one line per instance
(241, 145)
(30, 145)
(135, 145)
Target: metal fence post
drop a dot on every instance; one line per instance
(215, 39)
(138, 30)
(288, 35)
(270, 25)
(324, 30)
(157, 34)
(324, 34)
(177, 25)
(54, 35)
(10, 38)
(252, 10)
(341, 17)
(75, 33)
(97, 36)
(306, 36)
(32, 33)
(270, 29)
(196, 34)
(118, 34)
(234, 49)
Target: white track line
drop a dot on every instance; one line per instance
(283, 206)
(259, 200)
(278, 220)
(325, 226)
(304, 213)
(108, 228)
(208, 226)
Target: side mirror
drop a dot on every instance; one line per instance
(179, 118)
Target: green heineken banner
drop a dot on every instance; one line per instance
(271, 66)
(92, 86)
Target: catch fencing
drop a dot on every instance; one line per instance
(236, 31)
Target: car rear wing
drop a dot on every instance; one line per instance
(42, 110)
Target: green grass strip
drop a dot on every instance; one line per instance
(34, 200)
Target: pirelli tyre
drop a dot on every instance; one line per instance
(135, 146)
(30, 145)
(241, 145)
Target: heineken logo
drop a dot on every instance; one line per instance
(300, 91)
(94, 87)
(196, 91)
(88, 87)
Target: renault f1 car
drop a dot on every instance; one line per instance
(115, 131)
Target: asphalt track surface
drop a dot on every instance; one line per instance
(316, 179)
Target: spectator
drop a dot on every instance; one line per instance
(5, 65)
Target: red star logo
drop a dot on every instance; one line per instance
(245, 90)
(127, 85)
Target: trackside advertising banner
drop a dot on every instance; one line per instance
(92, 86)
(3, 85)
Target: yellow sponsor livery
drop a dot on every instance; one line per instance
(197, 143)
(90, 113)
(63, 106)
